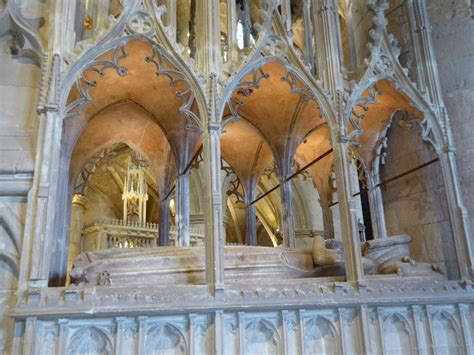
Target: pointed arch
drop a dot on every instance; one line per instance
(127, 123)
(383, 64)
(397, 329)
(89, 61)
(447, 332)
(262, 336)
(273, 45)
(307, 87)
(90, 340)
(13, 230)
(118, 35)
(165, 337)
(12, 225)
(250, 160)
(321, 334)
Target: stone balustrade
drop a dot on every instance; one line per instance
(116, 233)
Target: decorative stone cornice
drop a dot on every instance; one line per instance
(110, 300)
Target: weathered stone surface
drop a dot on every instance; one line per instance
(214, 120)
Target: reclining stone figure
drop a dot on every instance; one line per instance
(379, 256)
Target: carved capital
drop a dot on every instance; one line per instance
(343, 139)
(80, 201)
(214, 127)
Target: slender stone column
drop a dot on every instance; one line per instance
(102, 14)
(246, 22)
(171, 9)
(328, 221)
(38, 242)
(457, 213)
(182, 211)
(209, 61)
(308, 34)
(164, 224)
(251, 233)
(348, 213)
(251, 215)
(329, 52)
(233, 51)
(79, 205)
(287, 222)
(377, 210)
(286, 12)
(30, 344)
(208, 36)
(214, 218)
(427, 67)
(42, 202)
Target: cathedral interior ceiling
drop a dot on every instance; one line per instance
(247, 160)
(142, 110)
(377, 115)
(149, 92)
(126, 123)
(264, 174)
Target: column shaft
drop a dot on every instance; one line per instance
(251, 232)
(233, 51)
(208, 36)
(328, 39)
(377, 212)
(171, 9)
(348, 214)
(164, 224)
(214, 221)
(287, 223)
(79, 205)
(182, 210)
(458, 215)
(328, 221)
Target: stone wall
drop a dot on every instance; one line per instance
(19, 82)
(453, 39)
(415, 204)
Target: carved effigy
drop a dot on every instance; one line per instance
(172, 265)
(329, 256)
(380, 256)
(392, 256)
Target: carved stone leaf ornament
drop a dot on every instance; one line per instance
(231, 327)
(140, 22)
(274, 46)
(130, 331)
(200, 329)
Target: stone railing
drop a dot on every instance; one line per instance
(116, 233)
(196, 236)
